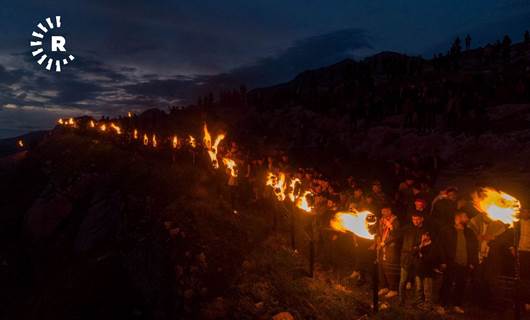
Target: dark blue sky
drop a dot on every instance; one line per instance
(132, 55)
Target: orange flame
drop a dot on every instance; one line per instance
(92, 124)
(175, 142)
(146, 140)
(116, 128)
(103, 127)
(135, 134)
(231, 165)
(497, 204)
(302, 202)
(70, 122)
(358, 223)
(207, 139)
(278, 185)
(293, 190)
(212, 149)
(192, 141)
(20, 143)
(153, 140)
(129, 114)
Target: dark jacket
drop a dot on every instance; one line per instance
(388, 253)
(426, 260)
(410, 237)
(447, 242)
(443, 213)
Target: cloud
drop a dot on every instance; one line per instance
(310, 53)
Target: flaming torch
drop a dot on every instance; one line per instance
(146, 140)
(293, 194)
(360, 224)
(212, 149)
(135, 134)
(277, 183)
(103, 127)
(92, 124)
(302, 202)
(115, 128)
(192, 141)
(231, 165)
(20, 143)
(175, 142)
(500, 206)
(153, 141)
(497, 204)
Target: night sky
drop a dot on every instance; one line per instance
(133, 55)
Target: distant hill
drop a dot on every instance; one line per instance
(9, 145)
(384, 75)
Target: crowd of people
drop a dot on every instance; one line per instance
(438, 244)
(422, 239)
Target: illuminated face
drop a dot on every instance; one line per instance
(420, 205)
(417, 221)
(386, 212)
(461, 218)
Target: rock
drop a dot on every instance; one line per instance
(46, 215)
(283, 316)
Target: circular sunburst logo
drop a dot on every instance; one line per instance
(41, 38)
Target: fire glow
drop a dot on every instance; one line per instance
(497, 204)
(303, 202)
(277, 183)
(212, 149)
(358, 223)
(230, 165)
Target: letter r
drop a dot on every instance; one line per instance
(58, 42)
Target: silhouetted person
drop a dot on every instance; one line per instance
(459, 257)
(468, 42)
(506, 48)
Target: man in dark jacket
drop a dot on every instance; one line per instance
(459, 256)
(410, 236)
(444, 208)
